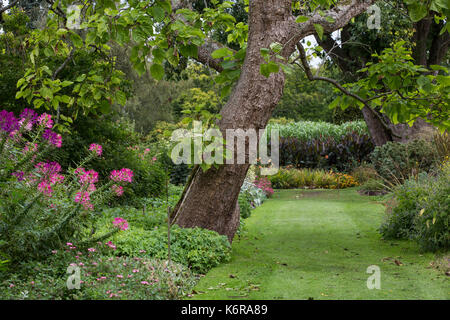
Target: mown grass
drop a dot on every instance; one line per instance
(318, 245)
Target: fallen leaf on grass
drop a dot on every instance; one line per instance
(398, 262)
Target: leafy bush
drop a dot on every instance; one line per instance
(422, 211)
(364, 173)
(325, 152)
(124, 148)
(373, 187)
(442, 145)
(309, 130)
(301, 178)
(197, 248)
(244, 206)
(395, 162)
(254, 195)
(104, 275)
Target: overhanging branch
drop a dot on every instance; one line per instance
(340, 15)
(9, 6)
(311, 77)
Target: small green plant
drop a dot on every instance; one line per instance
(422, 211)
(289, 178)
(395, 162)
(197, 248)
(104, 276)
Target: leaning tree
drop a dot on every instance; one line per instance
(251, 71)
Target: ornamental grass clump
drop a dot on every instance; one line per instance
(42, 207)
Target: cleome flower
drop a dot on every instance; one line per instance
(96, 148)
(122, 175)
(120, 223)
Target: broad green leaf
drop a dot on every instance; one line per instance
(301, 19)
(157, 71)
(319, 30)
(221, 53)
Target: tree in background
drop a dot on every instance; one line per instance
(415, 21)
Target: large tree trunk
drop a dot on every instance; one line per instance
(210, 199)
(377, 130)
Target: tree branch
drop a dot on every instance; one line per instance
(9, 6)
(341, 15)
(311, 77)
(63, 65)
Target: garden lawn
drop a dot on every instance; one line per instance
(318, 244)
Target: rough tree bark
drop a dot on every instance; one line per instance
(210, 198)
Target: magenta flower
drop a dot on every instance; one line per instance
(53, 138)
(45, 188)
(96, 148)
(45, 120)
(28, 118)
(8, 122)
(111, 245)
(120, 223)
(122, 175)
(84, 199)
(86, 177)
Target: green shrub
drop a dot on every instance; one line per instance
(322, 145)
(197, 248)
(395, 162)
(433, 223)
(309, 178)
(309, 130)
(122, 146)
(244, 206)
(364, 173)
(373, 187)
(422, 211)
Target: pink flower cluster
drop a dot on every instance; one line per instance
(120, 223)
(52, 137)
(96, 148)
(265, 185)
(122, 175)
(45, 120)
(49, 173)
(84, 198)
(87, 179)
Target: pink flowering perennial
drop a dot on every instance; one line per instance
(122, 175)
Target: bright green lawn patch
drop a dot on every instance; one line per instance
(318, 244)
